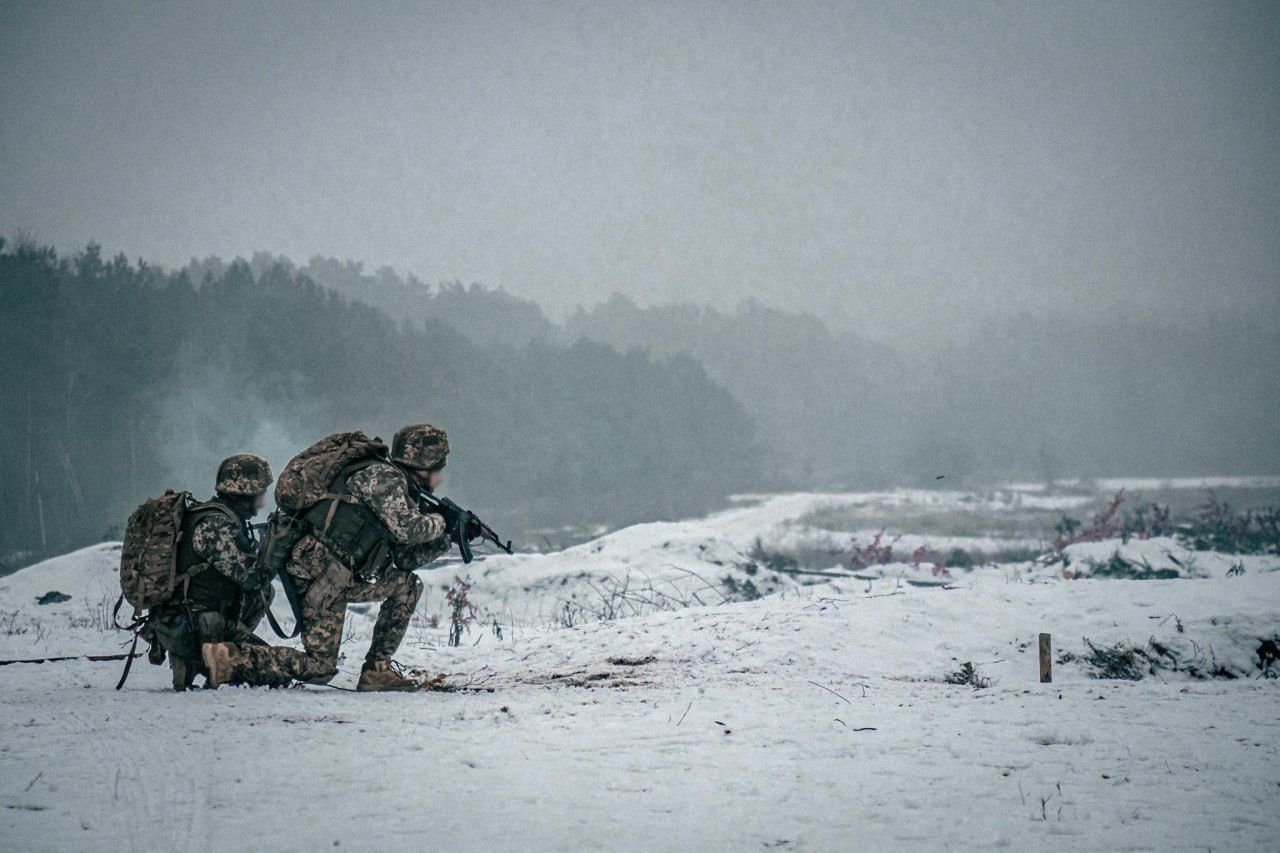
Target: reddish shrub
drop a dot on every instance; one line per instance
(874, 553)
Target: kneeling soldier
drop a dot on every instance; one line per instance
(362, 543)
(226, 591)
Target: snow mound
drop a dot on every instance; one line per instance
(87, 576)
(778, 522)
(76, 622)
(1158, 557)
(768, 517)
(636, 570)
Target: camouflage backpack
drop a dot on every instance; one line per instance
(149, 557)
(152, 540)
(308, 476)
(149, 565)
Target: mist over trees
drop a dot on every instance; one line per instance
(1040, 397)
(1032, 397)
(119, 380)
(484, 315)
(834, 405)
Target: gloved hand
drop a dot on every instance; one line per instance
(473, 530)
(448, 512)
(255, 605)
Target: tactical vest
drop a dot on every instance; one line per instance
(349, 529)
(211, 590)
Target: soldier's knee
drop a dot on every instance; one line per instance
(408, 593)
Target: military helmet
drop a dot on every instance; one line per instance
(420, 446)
(243, 474)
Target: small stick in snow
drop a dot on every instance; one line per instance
(1046, 660)
(685, 714)
(829, 690)
(41, 773)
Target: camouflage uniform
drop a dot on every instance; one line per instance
(325, 585)
(223, 602)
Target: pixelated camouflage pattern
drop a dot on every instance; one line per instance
(324, 588)
(420, 446)
(225, 547)
(255, 604)
(243, 474)
(308, 476)
(384, 490)
(149, 553)
(181, 632)
(410, 557)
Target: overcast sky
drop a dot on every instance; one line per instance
(866, 161)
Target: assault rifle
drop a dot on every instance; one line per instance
(459, 521)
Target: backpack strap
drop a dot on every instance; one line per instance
(291, 595)
(215, 506)
(275, 625)
(115, 616)
(128, 664)
(210, 508)
(341, 494)
(137, 626)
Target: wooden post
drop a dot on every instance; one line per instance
(1046, 660)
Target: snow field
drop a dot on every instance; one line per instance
(814, 718)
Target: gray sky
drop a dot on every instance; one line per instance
(884, 163)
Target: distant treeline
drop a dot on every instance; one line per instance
(118, 380)
(1042, 398)
(1091, 394)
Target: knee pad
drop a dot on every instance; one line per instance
(415, 590)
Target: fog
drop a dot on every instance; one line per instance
(720, 247)
(895, 168)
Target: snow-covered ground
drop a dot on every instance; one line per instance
(813, 718)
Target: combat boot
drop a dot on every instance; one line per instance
(184, 672)
(221, 660)
(385, 676)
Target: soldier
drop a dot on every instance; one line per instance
(362, 543)
(227, 593)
